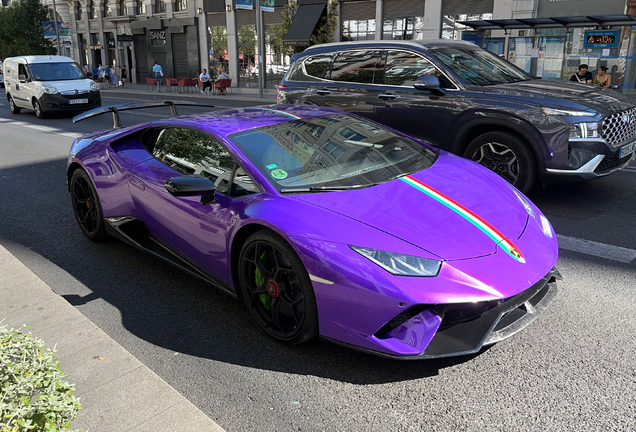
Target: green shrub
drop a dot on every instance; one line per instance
(33, 393)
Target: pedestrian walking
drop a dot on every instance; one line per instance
(158, 74)
(113, 77)
(124, 76)
(107, 75)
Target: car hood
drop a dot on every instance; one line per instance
(556, 93)
(450, 209)
(66, 85)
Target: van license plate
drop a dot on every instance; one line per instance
(78, 101)
(627, 150)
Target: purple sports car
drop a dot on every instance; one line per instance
(324, 224)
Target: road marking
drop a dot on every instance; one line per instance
(42, 128)
(630, 168)
(601, 250)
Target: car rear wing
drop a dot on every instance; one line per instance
(116, 109)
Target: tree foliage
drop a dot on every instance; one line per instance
(21, 29)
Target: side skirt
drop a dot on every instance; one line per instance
(133, 231)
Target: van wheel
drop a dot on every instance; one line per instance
(13, 107)
(506, 155)
(38, 110)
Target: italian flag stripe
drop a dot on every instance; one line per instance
(467, 214)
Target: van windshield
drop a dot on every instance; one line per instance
(56, 71)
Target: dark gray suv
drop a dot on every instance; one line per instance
(469, 101)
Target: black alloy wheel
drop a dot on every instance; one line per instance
(13, 107)
(276, 288)
(507, 156)
(39, 112)
(86, 206)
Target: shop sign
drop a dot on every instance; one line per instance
(157, 34)
(124, 38)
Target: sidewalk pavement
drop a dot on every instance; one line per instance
(248, 94)
(117, 392)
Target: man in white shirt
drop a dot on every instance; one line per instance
(204, 77)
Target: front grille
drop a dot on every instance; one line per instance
(619, 127)
(609, 163)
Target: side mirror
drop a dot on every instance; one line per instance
(22, 78)
(192, 186)
(430, 83)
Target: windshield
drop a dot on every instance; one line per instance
(56, 71)
(477, 66)
(331, 152)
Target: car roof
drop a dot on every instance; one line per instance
(418, 44)
(227, 122)
(43, 59)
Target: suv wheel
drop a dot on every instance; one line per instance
(13, 107)
(506, 155)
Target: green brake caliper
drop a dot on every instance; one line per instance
(266, 299)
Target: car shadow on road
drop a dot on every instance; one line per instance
(158, 303)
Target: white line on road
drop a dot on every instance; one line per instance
(601, 250)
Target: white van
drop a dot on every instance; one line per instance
(47, 84)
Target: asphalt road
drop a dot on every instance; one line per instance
(572, 370)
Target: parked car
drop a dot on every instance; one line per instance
(324, 223)
(48, 84)
(469, 101)
(1, 76)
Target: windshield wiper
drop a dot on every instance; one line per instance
(324, 188)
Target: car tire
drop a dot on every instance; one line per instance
(86, 206)
(276, 288)
(507, 155)
(13, 107)
(39, 112)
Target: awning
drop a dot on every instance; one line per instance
(303, 24)
(553, 22)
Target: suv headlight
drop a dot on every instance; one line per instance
(568, 113)
(398, 264)
(584, 130)
(49, 89)
(94, 86)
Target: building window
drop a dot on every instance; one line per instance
(452, 29)
(247, 46)
(141, 8)
(160, 6)
(358, 30)
(108, 12)
(93, 10)
(407, 28)
(79, 12)
(180, 5)
(122, 10)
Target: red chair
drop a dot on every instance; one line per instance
(151, 82)
(224, 85)
(171, 82)
(187, 84)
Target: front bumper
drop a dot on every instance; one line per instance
(465, 328)
(60, 102)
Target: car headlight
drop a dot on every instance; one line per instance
(523, 200)
(49, 89)
(94, 86)
(569, 113)
(584, 130)
(398, 264)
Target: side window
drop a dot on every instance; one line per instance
(355, 66)
(22, 70)
(403, 68)
(314, 68)
(189, 152)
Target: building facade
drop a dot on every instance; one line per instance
(184, 36)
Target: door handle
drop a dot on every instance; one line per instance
(136, 182)
(323, 92)
(385, 96)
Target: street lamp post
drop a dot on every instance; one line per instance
(260, 38)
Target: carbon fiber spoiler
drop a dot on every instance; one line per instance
(115, 109)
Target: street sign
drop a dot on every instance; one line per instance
(124, 38)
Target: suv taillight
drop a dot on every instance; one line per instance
(279, 89)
